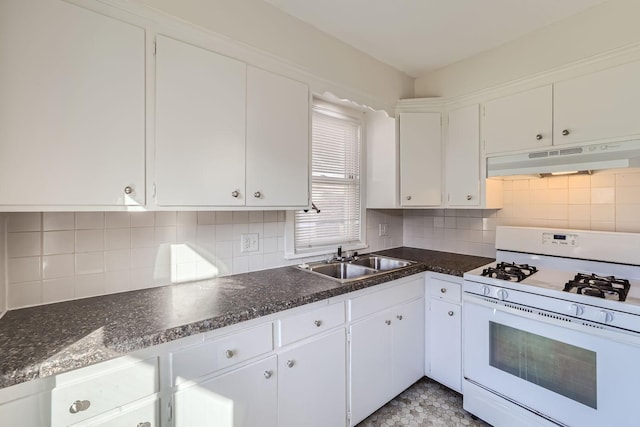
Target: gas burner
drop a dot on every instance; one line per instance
(599, 286)
(510, 271)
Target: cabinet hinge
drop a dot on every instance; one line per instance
(348, 337)
(155, 48)
(348, 418)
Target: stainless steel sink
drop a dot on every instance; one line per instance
(381, 263)
(365, 266)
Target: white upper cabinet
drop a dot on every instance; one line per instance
(518, 122)
(382, 161)
(72, 109)
(420, 159)
(598, 106)
(462, 157)
(228, 134)
(278, 141)
(200, 126)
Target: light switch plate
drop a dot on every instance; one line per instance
(383, 230)
(249, 242)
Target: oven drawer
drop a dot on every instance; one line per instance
(446, 290)
(306, 324)
(80, 397)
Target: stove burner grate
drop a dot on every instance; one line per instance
(510, 271)
(598, 286)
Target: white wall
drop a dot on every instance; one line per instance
(608, 26)
(262, 26)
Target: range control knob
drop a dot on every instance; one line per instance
(576, 309)
(486, 291)
(502, 294)
(607, 316)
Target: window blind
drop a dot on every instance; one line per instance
(335, 182)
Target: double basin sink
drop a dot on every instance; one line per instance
(365, 266)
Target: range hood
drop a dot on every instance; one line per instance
(624, 154)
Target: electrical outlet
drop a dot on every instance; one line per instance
(249, 242)
(383, 230)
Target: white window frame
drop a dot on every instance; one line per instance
(290, 251)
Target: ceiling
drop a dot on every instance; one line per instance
(418, 36)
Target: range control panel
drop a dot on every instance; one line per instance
(559, 239)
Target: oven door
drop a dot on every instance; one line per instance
(573, 373)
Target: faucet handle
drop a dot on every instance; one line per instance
(339, 251)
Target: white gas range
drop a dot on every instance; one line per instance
(552, 329)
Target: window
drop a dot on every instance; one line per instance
(336, 139)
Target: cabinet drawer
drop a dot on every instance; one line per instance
(98, 393)
(368, 304)
(220, 353)
(303, 325)
(142, 415)
(445, 290)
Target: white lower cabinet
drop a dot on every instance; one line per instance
(387, 348)
(312, 383)
(29, 411)
(444, 324)
(144, 414)
(244, 397)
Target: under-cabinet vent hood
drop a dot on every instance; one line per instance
(611, 155)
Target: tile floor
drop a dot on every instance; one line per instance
(426, 403)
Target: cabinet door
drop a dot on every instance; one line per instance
(446, 343)
(312, 383)
(141, 415)
(382, 161)
(30, 411)
(420, 159)
(371, 359)
(598, 106)
(200, 126)
(72, 109)
(462, 157)
(408, 345)
(277, 140)
(518, 122)
(241, 398)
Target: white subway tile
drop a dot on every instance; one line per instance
(628, 213)
(207, 233)
(628, 179)
(24, 221)
(628, 227)
(188, 218)
(603, 225)
(270, 216)
(23, 269)
(206, 218)
(89, 240)
(118, 220)
(61, 289)
(89, 285)
(579, 181)
(627, 195)
(269, 245)
(224, 217)
(90, 263)
(539, 183)
(23, 244)
(117, 281)
(143, 257)
(257, 227)
(56, 266)
(117, 238)
(240, 217)
(520, 184)
(558, 182)
(186, 233)
(143, 219)
(256, 262)
(580, 213)
(224, 232)
(239, 229)
(116, 260)
(603, 213)
(603, 195)
(58, 221)
(256, 216)
(224, 249)
(579, 196)
(24, 294)
(240, 264)
(58, 242)
(143, 237)
(166, 219)
(89, 220)
(599, 179)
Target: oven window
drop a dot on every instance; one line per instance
(565, 369)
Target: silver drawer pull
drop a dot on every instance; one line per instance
(290, 363)
(128, 189)
(450, 313)
(443, 290)
(388, 322)
(399, 317)
(267, 374)
(144, 424)
(318, 323)
(79, 406)
(229, 354)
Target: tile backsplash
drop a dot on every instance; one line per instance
(57, 256)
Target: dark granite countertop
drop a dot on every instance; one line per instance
(46, 340)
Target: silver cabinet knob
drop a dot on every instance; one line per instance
(79, 406)
(539, 136)
(267, 374)
(290, 363)
(408, 197)
(450, 313)
(229, 354)
(565, 132)
(388, 322)
(318, 323)
(257, 194)
(144, 424)
(399, 317)
(128, 189)
(235, 194)
(469, 197)
(443, 290)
